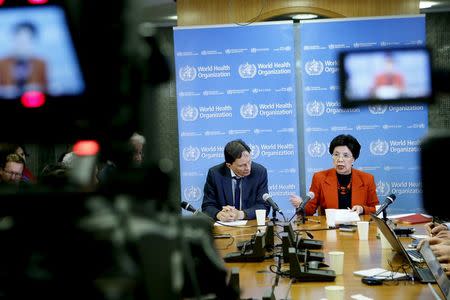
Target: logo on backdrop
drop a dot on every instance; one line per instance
(377, 109)
(189, 113)
(315, 108)
(192, 193)
(383, 188)
(247, 70)
(316, 149)
(314, 67)
(187, 73)
(249, 111)
(191, 153)
(255, 151)
(379, 147)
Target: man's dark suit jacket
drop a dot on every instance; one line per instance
(218, 190)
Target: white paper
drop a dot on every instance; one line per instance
(233, 223)
(360, 297)
(379, 273)
(340, 216)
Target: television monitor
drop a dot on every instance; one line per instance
(385, 75)
(42, 80)
(37, 53)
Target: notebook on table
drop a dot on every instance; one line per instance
(413, 257)
(436, 269)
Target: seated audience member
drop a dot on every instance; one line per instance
(341, 186)
(27, 175)
(137, 143)
(11, 168)
(132, 158)
(54, 175)
(234, 189)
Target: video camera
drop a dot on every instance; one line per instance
(81, 70)
(402, 76)
(72, 70)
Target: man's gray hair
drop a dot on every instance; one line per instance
(136, 137)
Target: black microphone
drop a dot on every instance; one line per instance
(195, 212)
(309, 196)
(266, 197)
(188, 207)
(389, 200)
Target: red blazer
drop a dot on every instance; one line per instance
(324, 186)
(38, 75)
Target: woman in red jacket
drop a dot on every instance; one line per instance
(341, 186)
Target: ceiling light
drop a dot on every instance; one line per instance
(426, 4)
(304, 16)
(172, 17)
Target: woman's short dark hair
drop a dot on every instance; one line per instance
(233, 150)
(346, 140)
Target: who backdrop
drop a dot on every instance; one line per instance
(389, 134)
(237, 82)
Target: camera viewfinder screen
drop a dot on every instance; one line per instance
(386, 75)
(37, 53)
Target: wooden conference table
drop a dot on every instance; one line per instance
(256, 277)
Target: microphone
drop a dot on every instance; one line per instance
(188, 207)
(309, 196)
(266, 197)
(389, 200)
(196, 212)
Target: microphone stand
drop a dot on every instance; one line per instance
(384, 215)
(274, 216)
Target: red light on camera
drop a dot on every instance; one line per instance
(33, 99)
(84, 148)
(2, 1)
(37, 2)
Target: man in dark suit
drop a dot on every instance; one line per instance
(234, 189)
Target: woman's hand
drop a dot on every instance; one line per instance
(295, 200)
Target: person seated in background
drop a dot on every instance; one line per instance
(11, 168)
(341, 186)
(234, 189)
(137, 143)
(27, 175)
(54, 176)
(134, 157)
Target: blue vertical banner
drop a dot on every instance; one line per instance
(237, 82)
(389, 134)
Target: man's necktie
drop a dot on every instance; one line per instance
(237, 193)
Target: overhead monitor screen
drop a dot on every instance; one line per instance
(379, 76)
(37, 53)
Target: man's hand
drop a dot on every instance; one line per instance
(230, 213)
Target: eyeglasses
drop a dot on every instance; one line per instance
(345, 156)
(13, 174)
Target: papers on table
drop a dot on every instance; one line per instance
(233, 223)
(340, 216)
(379, 273)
